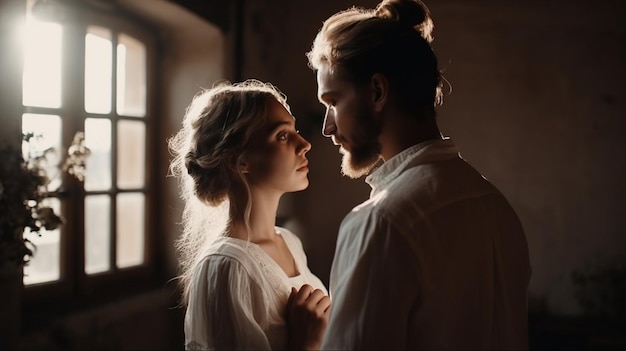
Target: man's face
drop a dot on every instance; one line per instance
(350, 122)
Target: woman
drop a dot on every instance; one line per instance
(245, 281)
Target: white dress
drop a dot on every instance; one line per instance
(239, 293)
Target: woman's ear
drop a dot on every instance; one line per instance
(241, 163)
(380, 91)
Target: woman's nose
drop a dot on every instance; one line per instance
(305, 146)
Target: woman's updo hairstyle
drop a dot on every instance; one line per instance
(392, 39)
(214, 138)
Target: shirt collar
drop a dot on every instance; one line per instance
(424, 152)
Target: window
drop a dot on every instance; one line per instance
(91, 76)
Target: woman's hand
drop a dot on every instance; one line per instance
(307, 316)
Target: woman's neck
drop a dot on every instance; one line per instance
(262, 219)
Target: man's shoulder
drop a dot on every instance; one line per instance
(438, 182)
(423, 189)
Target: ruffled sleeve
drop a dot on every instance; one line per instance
(226, 308)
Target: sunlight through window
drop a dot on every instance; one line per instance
(98, 70)
(42, 64)
(45, 265)
(131, 77)
(41, 88)
(98, 140)
(97, 229)
(91, 76)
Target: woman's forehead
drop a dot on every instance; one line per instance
(277, 112)
(277, 116)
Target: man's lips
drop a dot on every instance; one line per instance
(337, 142)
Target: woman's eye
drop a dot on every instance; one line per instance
(282, 136)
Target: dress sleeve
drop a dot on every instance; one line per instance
(226, 308)
(373, 287)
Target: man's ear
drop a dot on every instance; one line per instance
(380, 91)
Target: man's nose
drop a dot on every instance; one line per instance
(328, 129)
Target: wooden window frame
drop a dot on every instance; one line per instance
(75, 290)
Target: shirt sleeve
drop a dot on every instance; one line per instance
(373, 287)
(226, 308)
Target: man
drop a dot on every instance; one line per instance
(436, 258)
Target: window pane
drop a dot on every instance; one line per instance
(41, 77)
(131, 77)
(97, 233)
(47, 131)
(98, 70)
(131, 154)
(130, 229)
(45, 264)
(98, 165)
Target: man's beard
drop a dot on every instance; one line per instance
(360, 162)
(364, 153)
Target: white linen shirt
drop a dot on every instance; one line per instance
(239, 294)
(435, 259)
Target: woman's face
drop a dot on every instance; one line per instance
(276, 160)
